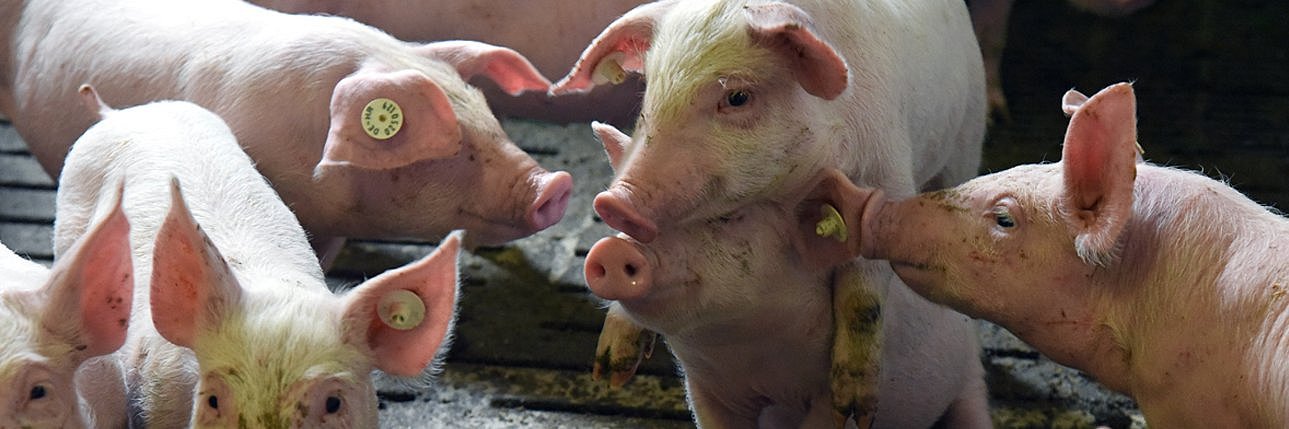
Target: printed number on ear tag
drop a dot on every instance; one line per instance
(382, 118)
(401, 309)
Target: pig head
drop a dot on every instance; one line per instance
(749, 101)
(1160, 283)
(295, 90)
(53, 320)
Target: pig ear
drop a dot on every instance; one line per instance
(510, 70)
(824, 251)
(192, 287)
(790, 30)
(91, 287)
(615, 142)
(1099, 161)
(618, 50)
(1072, 101)
(404, 316)
(383, 120)
(91, 100)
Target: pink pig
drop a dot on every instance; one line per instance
(54, 321)
(295, 90)
(236, 325)
(550, 33)
(1160, 283)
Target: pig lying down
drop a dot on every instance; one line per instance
(54, 320)
(235, 325)
(1160, 283)
(296, 91)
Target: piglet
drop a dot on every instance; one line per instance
(361, 134)
(236, 326)
(56, 320)
(1161, 283)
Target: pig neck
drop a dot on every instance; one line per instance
(1200, 298)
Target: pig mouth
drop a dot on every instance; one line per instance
(491, 230)
(918, 275)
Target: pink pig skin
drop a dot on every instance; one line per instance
(56, 322)
(750, 320)
(271, 77)
(231, 301)
(1160, 283)
(550, 33)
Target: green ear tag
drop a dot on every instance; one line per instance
(832, 224)
(401, 309)
(382, 118)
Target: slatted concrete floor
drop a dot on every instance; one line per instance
(1213, 95)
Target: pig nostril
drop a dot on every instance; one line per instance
(630, 270)
(597, 271)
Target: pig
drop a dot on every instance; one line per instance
(989, 19)
(295, 90)
(56, 320)
(236, 326)
(550, 33)
(746, 102)
(1161, 283)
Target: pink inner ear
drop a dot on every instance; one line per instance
(95, 280)
(191, 284)
(817, 66)
(1099, 162)
(429, 128)
(510, 70)
(434, 279)
(631, 35)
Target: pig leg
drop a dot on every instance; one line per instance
(711, 412)
(327, 249)
(989, 19)
(622, 346)
(857, 346)
(971, 408)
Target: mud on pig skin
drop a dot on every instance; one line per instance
(234, 323)
(746, 102)
(55, 321)
(550, 33)
(750, 319)
(293, 89)
(1163, 284)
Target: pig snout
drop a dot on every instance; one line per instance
(875, 226)
(553, 190)
(618, 270)
(620, 213)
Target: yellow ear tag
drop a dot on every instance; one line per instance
(609, 70)
(832, 224)
(382, 118)
(401, 309)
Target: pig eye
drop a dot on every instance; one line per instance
(1003, 217)
(213, 402)
(736, 98)
(37, 392)
(333, 405)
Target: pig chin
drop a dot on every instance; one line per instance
(920, 276)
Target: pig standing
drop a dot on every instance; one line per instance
(989, 18)
(296, 91)
(550, 33)
(54, 321)
(236, 326)
(746, 102)
(1160, 283)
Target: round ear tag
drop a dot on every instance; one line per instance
(401, 309)
(382, 118)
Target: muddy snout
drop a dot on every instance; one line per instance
(617, 269)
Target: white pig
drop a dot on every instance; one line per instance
(236, 326)
(1160, 283)
(295, 89)
(550, 33)
(56, 320)
(746, 102)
